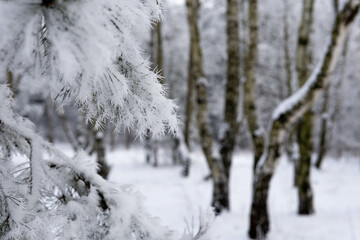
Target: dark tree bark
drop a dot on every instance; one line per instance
(336, 6)
(306, 146)
(326, 117)
(67, 129)
(220, 198)
(250, 72)
(192, 14)
(232, 86)
(99, 149)
(306, 127)
(181, 154)
(156, 57)
(287, 51)
(292, 139)
(13, 82)
(283, 119)
(128, 139)
(111, 131)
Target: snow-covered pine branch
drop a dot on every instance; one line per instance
(87, 51)
(50, 196)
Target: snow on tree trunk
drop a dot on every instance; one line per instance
(327, 118)
(287, 113)
(324, 125)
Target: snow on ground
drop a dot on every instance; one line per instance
(173, 198)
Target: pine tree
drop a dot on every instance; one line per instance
(86, 52)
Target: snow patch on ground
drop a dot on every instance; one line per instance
(173, 198)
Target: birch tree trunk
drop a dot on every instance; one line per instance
(67, 129)
(335, 116)
(220, 198)
(249, 88)
(326, 117)
(287, 50)
(306, 125)
(99, 149)
(192, 12)
(156, 57)
(323, 129)
(289, 112)
(13, 82)
(181, 154)
(232, 86)
(292, 144)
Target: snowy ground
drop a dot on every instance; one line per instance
(173, 198)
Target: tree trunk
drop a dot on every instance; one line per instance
(292, 143)
(303, 58)
(259, 217)
(287, 51)
(287, 113)
(99, 148)
(220, 199)
(159, 52)
(306, 145)
(128, 139)
(67, 130)
(181, 154)
(192, 12)
(326, 116)
(232, 86)
(323, 129)
(159, 62)
(336, 6)
(13, 82)
(250, 72)
(113, 135)
(156, 57)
